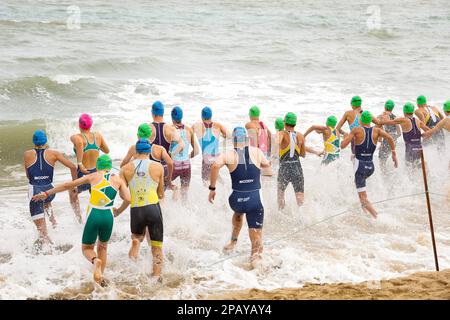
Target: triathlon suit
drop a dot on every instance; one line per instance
(332, 147)
(160, 140)
(431, 120)
(363, 162)
(352, 126)
(290, 170)
(385, 148)
(246, 184)
(413, 144)
(181, 162)
(40, 177)
(89, 146)
(145, 210)
(210, 150)
(263, 140)
(99, 223)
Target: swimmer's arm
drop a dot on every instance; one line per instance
(78, 144)
(63, 187)
(128, 157)
(419, 115)
(423, 126)
(318, 129)
(161, 184)
(341, 123)
(180, 144)
(387, 137)
(103, 146)
(67, 163)
(165, 156)
(224, 132)
(439, 113)
(25, 158)
(430, 132)
(124, 193)
(195, 148)
(395, 121)
(348, 138)
(376, 121)
(313, 151)
(215, 168)
(265, 163)
(301, 144)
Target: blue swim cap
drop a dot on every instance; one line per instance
(143, 146)
(239, 134)
(206, 113)
(158, 108)
(39, 138)
(177, 113)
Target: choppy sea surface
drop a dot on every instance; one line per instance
(113, 60)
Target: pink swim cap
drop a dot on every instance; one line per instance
(85, 121)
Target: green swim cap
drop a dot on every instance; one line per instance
(144, 131)
(254, 112)
(421, 100)
(447, 106)
(279, 124)
(366, 117)
(356, 101)
(331, 121)
(408, 108)
(290, 119)
(104, 162)
(389, 105)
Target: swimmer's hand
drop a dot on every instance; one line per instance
(426, 135)
(116, 212)
(83, 169)
(40, 196)
(394, 158)
(212, 196)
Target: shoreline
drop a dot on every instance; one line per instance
(420, 285)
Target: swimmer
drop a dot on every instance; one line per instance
(182, 160)
(430, 116)
(158, 153)
(145, 178)
(393, 130)
(366, 138)
(86, 146)
(99, 224)
(208, 134)
(39, 167)
(411, 135)
(244, 164)
(260, 135)
(330, 137)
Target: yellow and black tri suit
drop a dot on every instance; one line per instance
(290, 170)
(332, 147)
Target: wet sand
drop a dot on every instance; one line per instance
(421, 285)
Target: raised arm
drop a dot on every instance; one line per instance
(393, 122)
(62, 187)
(348, 138)
(318, 129)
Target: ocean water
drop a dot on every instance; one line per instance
(112, 60)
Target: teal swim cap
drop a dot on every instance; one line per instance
(144, 131)
(366, 117)
(104, 162)
(279, 124)
(356, 101)
(389, 105)
(421, 100)
(447, 106)
(408, 108)
(290, 119)
(254, 112)
(331, 121)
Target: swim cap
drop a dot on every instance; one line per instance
(356, 101)
(366, 117)
(39, 138)
(158, 108)
(144, 131)
(104, 162)
(447, 106)
(279, 124)
(421, 100)
(389, 105)
(206, 113)
(177, 113)
(408, 108)
(254, 112)
(331, 121)
(239, 134)
(143, 146)
(290, 119)
(85, 121)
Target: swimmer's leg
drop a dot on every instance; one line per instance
(237, 226)
(158, 258)
(102, 251)
(257, 245)
(42, 230)
(136, 240)
(75, 203)
(365, 204)
(51, 215)
(281, 199)
(300, 197)
(91, 256)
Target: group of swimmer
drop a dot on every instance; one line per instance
(163, 153)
